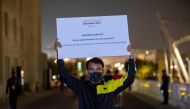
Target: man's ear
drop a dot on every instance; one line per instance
(86, 72)
(103, 73)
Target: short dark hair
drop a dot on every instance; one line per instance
(95, 60)
(163, 70)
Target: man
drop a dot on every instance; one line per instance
(96, 93)
(164, 86)
(13, 89)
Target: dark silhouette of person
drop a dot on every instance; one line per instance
(164, 87)
(108, 75)
(12, 89)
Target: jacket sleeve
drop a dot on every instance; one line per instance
(130, 78)
(72, 82)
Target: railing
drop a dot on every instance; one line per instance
(179, 94)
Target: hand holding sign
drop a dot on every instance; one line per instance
(131, 50)
(57, 45)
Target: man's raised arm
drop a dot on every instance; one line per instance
(129, 79)
(65, 76)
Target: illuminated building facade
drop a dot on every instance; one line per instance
(20, 42)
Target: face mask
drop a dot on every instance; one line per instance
(95, 77)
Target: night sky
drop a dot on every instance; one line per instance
(144, 27)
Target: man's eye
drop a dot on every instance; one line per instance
(91, 69)
(99, 69)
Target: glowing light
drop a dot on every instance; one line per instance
(66, 59)
(183, 93)
(187, 59)
(22, 77)
(55, 61)
(117, 64)
(147, 52)
(170, 90)
(22, 73)
(173, 66)
(79, 66)
(53, 77)
(81, 74)
(154, 73)
(146, 85)
(158, 85)
(121, 67)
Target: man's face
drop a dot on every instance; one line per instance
(93, 67)
(95, 72)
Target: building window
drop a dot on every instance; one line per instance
(22, 37)
(6, 23)
(16, 62)
(21, 6)
(7, 67)
(22, 63)
(15, 29)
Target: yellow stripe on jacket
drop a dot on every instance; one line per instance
(111, 85)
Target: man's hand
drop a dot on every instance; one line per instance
(57, 44)
(131, 50)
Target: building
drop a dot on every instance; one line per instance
(20, 42)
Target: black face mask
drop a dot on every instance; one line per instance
(95, 77)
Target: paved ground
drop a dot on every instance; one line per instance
(56, 99)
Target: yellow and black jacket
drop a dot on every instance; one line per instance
(100, 96)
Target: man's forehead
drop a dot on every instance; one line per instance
(91, 64)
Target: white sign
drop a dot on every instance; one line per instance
(96, 36)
